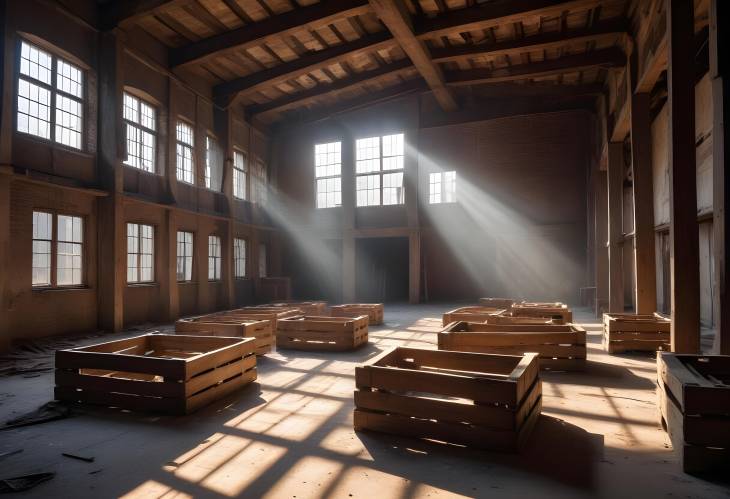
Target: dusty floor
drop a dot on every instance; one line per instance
(290, 435)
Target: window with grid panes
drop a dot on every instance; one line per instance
(58, 242)
(239, 257)
(140, 120)
(379, 167)
(239, 175)
(184, 256)
(327, 172)
(442, 187)
(184, 152)
(140, 253)
(50, 97)
(214, 258)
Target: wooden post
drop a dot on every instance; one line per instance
(643, 192)
(414, 266)
(719, 18)
(601, 238)
(348, 217)
(111, 226)
(615, 227)
(683, 227)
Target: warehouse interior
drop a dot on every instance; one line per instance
(253, 248)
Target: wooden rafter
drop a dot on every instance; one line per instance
(301, 98)
(127, 12)
(396, 18)
(612, 57)
(608, 30)
(313, 16)
(303, 65)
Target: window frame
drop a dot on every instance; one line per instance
(442, 188)
(139, 254)
(191, 146)
(54, 250)
(185, 256)
(243, 172)
(142, 128)
(53, 90)
(236, 257)
(326, 177)
(380, 173)
(215, 242)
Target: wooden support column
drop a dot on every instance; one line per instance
(224, 126)
(168, 281)
(719, 19)
(683, 227)
(643, 192)
(111, 228)
(349, 267)
(601, 238)
(4, 260)
(411, 203)
(615, 227)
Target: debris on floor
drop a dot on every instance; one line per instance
(23, 482)
(50, 411)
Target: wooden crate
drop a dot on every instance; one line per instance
(307, 307)
(272, 314)
(626, 332)
(504, 303)
(469, 314)
(558, 312)
(322, 333)
(482, 400)
(561, 347)
(694, 403)
(374, 311)
(173, 374)
(238, 328)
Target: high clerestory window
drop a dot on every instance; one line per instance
(140, 120)
(214, 258)
(239, 175)
(50, 97)
(379, 166)
(442, 187)
(327, 172)
(184, 152)
(184, 256)
(239, 257)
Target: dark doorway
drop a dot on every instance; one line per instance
(382, 269)
(320, 280)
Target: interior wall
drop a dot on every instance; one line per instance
(518, 229)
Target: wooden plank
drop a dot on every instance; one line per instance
(74, 380)
(683, 228)
(312, 16)
(693, 394)
(219, 374)
(206, 397)
(395, 16)
(121, 400)
(484, 364)
(167, 368)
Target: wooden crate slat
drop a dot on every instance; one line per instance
(121, 400)
(218, 357)
(204, 398)
(470, 314)
(71, 379)
(628, 332)
(374, 311)
(259, 329)
(503, 303)
(694, 395)
(219, 374)
(496, 364)
(471, 435)
(167, 368)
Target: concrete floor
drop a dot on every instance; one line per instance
(290, 435)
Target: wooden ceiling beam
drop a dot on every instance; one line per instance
(489, 15)
(612, 57)
(312, 16)
(307, 63)
(115, 13)
(606, 31)
(302, 98)
(384, 95)
(395, 16)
